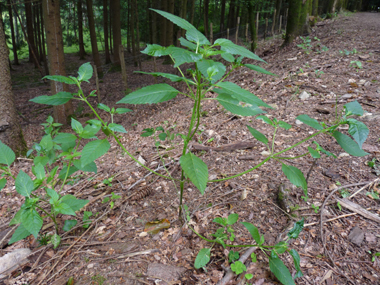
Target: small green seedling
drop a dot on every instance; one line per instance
(111, 198)
(356, 64)
(319, 73)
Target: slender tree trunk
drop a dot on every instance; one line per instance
(183, 14)
(252, 25)
(205, 17)
(44, 58)
(14, 45)
(292, 22)
(169, 24)
(132, 32)
(129, 34)
(39, 32)
(105, 29)
(30, 32)
(116, 30)
(94, 43)
(222, 14)
(82, 52)
(10, 130)
(137, 33)
(56, 57)
(192, 12)
(154, 22)
(163, 33)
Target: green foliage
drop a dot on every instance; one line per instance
(206, 74)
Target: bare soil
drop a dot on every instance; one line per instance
(116, 250)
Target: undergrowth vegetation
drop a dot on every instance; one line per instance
(58, 157)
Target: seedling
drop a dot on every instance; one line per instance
(318, 73)
(356, 64)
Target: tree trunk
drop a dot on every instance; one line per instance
(116, 30)
(39, 31)
(231, 15)
(205, 15)
(154, 22)
(30, 31)
(315, 8)
(303, 23)
(14, 46)
(56, 58)
(192, 12)
(82, 52)
(132, 31)
(252, 25)
(94, 44)
(105, 29)
(292, 22)
(43, 41)
(137, 33)
(10, 130)
(183, 14)
(222, 14)
(169, 24)
(164, 7)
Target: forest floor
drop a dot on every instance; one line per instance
(116, 250)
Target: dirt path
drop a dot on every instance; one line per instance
(325, 74)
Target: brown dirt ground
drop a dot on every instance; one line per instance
(102, 252)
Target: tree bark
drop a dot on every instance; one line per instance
(94, 44)
(30, 31)
(105, 29)
(222, 14)
(183, 14)
(205, 15)
(56, 58)
(169, 24)
(292, 22)
(132, 31)
(164, 7)
(14, 46)
(10, 130)
(82, 51)
(137, 33)
(116, 30)
(252, 25)
(192, 12)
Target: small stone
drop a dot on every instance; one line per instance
(361, 82)
(343, 154)
(304, 95)
(356, 236)
(367, 84)
(91, 265)
(351, 80)
(141, 160)
(293, 58)
(346, 96)
(298, 122)
(378, 90)
(265, 153)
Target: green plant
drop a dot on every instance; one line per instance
(225, 234)
(306, 44)
(374, 255)
(98, 279)
(207, 75)
(347, 52)
(316, 208)
(318, 73)
(356, 64)
(113, 198)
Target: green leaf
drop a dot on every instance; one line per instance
(94, 150)
(69, 224)
(228, 57)
(296, 230)
(76, 126)
(85, 72)
(284, 125)
(90, 167)
(248, 276)
(358, 130)
(309, 121)
(86, 219)
(60, 78)
(233, 105)
(353, 108)
(296, 261)
(295, 176)
(258, 69)
(19, 234)
(3, 181)
(61, 138)
(192, 34)
(221, 221)
(321, 149)
(54, 100)
(103, 107)
(187, 44)
(24, 184)
(238, 267)
(253, 231)
(162, 136)
(7, 155)
(90, 131)
(171, 77)
(265, 119)
(43, 160)
(55, 240)
(32, 221)
(52, 194)
(39, 171)
(279, 270)
(62, 173)
(253, 257)
(196, 170)
(147, 132)
(348, 144)
(204, 64)
(155, 50)
(281, 247)
(242, 94)
(257, 135)
(63, 208)
(74, 203)
(313, 152)
(47, 142)
(232, 218)
(202, 258)
(117, 128)
(151, 94)
(182, 56)
(230, 47)
(122, 110)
